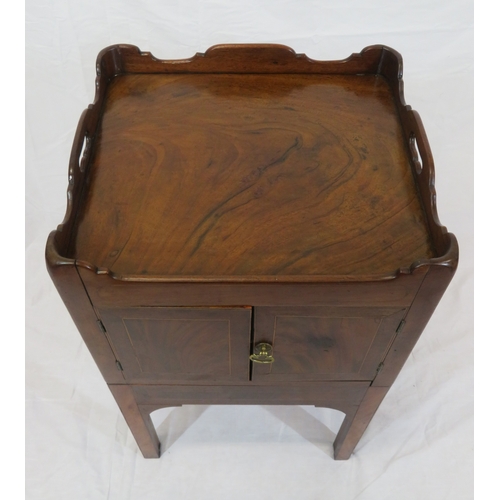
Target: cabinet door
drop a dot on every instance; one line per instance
(165, 344)
(324, 343)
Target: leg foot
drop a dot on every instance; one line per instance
(138, 420)
(356, 421)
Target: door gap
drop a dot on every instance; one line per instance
(252, 330)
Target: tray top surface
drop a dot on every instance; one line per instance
(250, 175)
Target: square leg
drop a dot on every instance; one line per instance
(356, 421)
(138, 420)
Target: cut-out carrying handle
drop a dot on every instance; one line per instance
(423, 164)
(77, 162)
(415, 154)
(81, 145)
(420, 150)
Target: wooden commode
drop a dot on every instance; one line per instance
(250, 226)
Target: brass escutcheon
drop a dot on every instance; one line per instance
(262, 353)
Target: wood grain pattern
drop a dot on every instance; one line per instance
(324, 343)
(250, 183)
(251, 175)
(165, 344)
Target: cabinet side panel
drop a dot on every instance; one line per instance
(69, 285)
(433, 287)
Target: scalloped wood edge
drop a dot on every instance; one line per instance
(251, 58)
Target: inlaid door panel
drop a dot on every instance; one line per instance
(324, 343)
(155, 344)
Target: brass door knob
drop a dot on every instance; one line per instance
(263, 353)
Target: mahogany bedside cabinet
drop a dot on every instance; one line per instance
(250, 226)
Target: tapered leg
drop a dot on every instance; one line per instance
(356, 421)
(139, 422)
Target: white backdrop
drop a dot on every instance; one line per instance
(419, 445)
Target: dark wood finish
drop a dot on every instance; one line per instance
(325, 394)
(434, 285)
(244, 195)
(263, 161)
(138, 420)
(158, 344)
(65, 276)
(356, 421)
(324, 343)
(138, 401)
(241, 58)
(106, 291)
